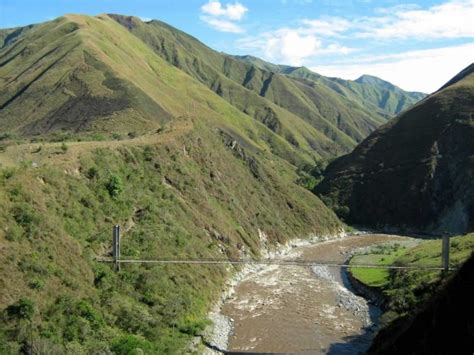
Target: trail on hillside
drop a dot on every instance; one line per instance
(53, 153)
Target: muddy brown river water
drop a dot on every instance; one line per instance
(295, 309)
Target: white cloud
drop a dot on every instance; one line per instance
(222, 25)
(331, 26)
(422, 70)
(233, 11)
(291, 46)
(145, 19)
(452, 19)
(223, 17)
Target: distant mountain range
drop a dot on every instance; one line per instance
(416, 171)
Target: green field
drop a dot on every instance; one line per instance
(380, 255)
(407, 289)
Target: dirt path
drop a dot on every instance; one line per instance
(52, 153)
(303, 310)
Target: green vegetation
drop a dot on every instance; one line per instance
(311, 175)
(171, 202)
(406, 290)
(133, 86)
(379, 255)
(367, 91)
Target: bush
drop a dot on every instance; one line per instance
(36, 284)
(92, 173)
(342, 212)
(23, 309)
(129, 344)
(64, 148)
(25, 216)
(14, 233)
(114, 186)
(5, 136)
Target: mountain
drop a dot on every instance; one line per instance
(305, 115)
(98, 129)
(415, 172)
(320, 116)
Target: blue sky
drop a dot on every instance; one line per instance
(417, 45)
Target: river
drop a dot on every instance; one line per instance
(297, 309)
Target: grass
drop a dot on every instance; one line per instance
(407, 289)
(380, 256)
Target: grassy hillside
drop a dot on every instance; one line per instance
(83, 80)
(97, 130)
(182, 198)
(415, 172)
(367, 91)
(290, 105)
(72, 74)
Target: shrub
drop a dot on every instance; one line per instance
(14, 233)
(129, 344)
(23, 309)
(25, 216)
(5, 136)
(342, 212)
(36, 284)
(114, 186)
(92, 172)
(64, 147)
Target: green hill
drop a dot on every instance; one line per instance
(287, 103)
(415, 172)
(90, 83)
(97, 129)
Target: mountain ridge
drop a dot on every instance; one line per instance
(412, 172)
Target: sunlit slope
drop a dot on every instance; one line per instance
(285, 104)
(74, 74)
(200, 179)
(370, 92)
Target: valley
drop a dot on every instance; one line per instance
(198, 154)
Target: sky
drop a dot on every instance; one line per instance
(417, 45)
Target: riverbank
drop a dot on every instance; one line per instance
(216, 337)
(276, 308)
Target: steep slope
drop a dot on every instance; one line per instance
(416, 171)
(288, 105)
(73, 74)
(212, 182)
(385, 95)
(52, 80)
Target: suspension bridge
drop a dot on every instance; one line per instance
(118, 260)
